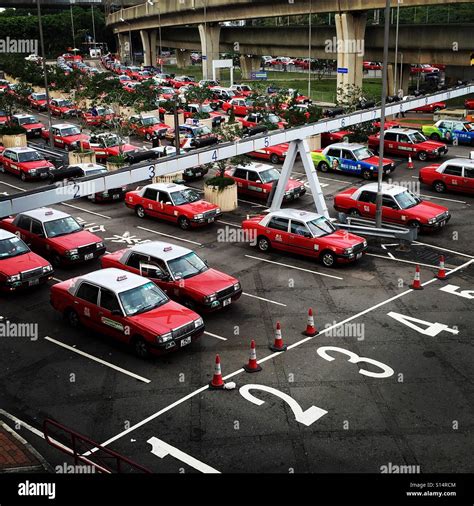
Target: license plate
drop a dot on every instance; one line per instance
(198, 174)
(88, 256)
(442, 224)
(210, 220)
(44, 174)
(33, 282)
(226, 302)
(116, 196)
(185, 341)
(359, 255)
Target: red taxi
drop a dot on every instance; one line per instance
(407, 142)
(148, 126)
(274, 154)
(455, 175)
(128, 308)
(180, 273)
(38, 101)
(335, 136)
(30, 123)
(100, 116)
(304, 233)
(19, 266)
(107, 144)
(399, 206)
(254, 119)
(172, 202)
(242, 106)
(257, 180)
(56, 235)
(62, 107)
(435, 107)
(26, 163)
(67, 136)
(180, 81)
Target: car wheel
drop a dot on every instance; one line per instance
(414, 224)
(72, 318)
(23, 176)
(323, 167)
(140, 348)
(435, 137)
(439, 186)
(354, 212)
(140, 212)
(367, 174)
(56, 260)
(183, 223)
(422, 156)
(328, 259)
(263, 244)
(274, 159)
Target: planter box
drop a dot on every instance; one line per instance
(168, 178)
(314, 142)
(78, 157)
(14, 141)
(169, 119)
(114, 166)
(225, 199)
(207, 122)
(449, 114)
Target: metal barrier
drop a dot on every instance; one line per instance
(75, 444)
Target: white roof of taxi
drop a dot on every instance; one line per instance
(167, 187)
(22, 115)
(64, 125)
(45, 214)
(465, 162)
(387, 189)
(114, 279)
(257, 167)
(21, 150)
(401, 130)
(160, 249)
(89, 166)
(295, 214)
(346, 145)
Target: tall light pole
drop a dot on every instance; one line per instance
(129, 39)
(72, 25)
(396, 49)
(309, 47)
(378, 211)
(51, 141)
(93, 24)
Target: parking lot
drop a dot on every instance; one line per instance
(386, 389)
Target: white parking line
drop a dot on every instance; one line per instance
(294, 267)
(228, 223)
(268, 357)
(99, 360)
(404, 261)
(253, 204)
(441, 198)
(86, 211)
(215, 335)
(442, 249)
(262, 298)
(169, 235)
(13, 186)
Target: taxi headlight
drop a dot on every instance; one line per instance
(198, 216)
(348, 251)
(236, 286)
(210, 298)
(198, 322)
(72, 252)
(33, 171)
(12, 279)
(47, 268)
(218, 210)
(431, 221)
(100, 245)
(165, 337)
(365, 243)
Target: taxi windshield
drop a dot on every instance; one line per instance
(320, 227)
(142, 298)
(468, 127)
(267, 176)
(27, 120)
(112, 140)
(62, 226)
(29, 156)
(407, 199)
(362, 153)
(64, 103)
(185, 197)
(273, 118)
(187, 266)
(12, 247)
(204, 130)
(151, 120)
(206, 108)
(39, 96)
(416, 137)
(66, 132)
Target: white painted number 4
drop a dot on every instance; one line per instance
(428, 328)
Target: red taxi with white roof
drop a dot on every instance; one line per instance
(30, 123)
(257, 180)
(172, 202)
(62, 107)
(67, 136)
(148, 126)
(38, 101)
(108, 144)
(455, 175)
(26, 163)
(19, 266)
(399, 206)
(129, 308)
(56, 235)
(179, 272)
(274, 154)
(102, 115)
(304, 233)
(241, 106)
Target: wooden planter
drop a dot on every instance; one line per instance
(226, 199)
(169, 119)
(14, 141)
(314, 142)
(169, 178)
(81, 157)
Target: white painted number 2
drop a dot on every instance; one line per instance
(355, 359)
(308, 417)
(431, 330)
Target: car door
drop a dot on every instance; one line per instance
(7, 162)
(348, 163)
(300, 239)
(166, 209)
(277, 232)
(333, 155)
(468, 179)
(85, 305)
(110, 318)
(390, 209)
(58, 142)
(149, 201)
(404, 145)
(254, 184)
(390, 142)
(240, 176)
(38, 238)
(452, 177)
(23, 224)
(461, 134)
(157, 270)
(366, 203)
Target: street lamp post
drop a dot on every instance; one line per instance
(51, 141)
(129, 39)
(396, 49)
(309, 47)
(72, 25)
(378, 211)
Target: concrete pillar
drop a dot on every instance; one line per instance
(248, 64)
(405, 78)
(390, 80)
(182, 58)
(209, 35)
(153, 53)
(146, 47)
(350, 31)
(123, 46)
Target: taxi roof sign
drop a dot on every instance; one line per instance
(168, 248)
(122, 278)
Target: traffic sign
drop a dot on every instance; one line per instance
(342, 70)
(262, 76)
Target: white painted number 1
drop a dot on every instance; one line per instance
(308, 417)
(431, 330)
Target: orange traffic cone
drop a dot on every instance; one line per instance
(217, 381)
(252, 366)
(278, 344)
(441, 272)
(416, 282)
(410, 163)
(310, 328)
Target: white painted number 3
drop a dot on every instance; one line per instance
(355, 359)
(428, 329)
